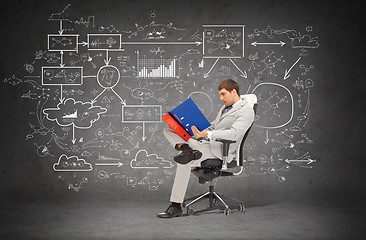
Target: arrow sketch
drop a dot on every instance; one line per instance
(61, 30)
(243, 74)
(118, 164)
(269, 43)
(207, 74)
(287, 75)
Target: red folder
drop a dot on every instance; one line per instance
(176, 127)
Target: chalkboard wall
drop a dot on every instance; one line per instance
(85, 85)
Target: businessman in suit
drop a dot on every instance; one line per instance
(232, 121)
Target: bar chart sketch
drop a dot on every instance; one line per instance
(158, 68)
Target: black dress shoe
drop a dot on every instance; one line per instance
(173, 210)
(187, 155)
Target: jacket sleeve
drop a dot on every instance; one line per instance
(212, 126)
(242, 123)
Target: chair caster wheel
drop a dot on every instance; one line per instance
(190, 211)
(241, 208)
(227, 211)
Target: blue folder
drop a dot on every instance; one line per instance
(187, 114)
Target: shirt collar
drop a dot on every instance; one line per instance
(232, 106)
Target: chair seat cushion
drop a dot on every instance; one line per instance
(211, 168)
(205, 174)
(208, 174)
(216, 163)
(211, 163)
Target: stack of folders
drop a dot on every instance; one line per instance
(183, 117)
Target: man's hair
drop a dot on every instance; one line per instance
(229, 85)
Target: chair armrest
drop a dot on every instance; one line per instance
(225, 151)
(225, 146)
(199, 139)
(225, 142)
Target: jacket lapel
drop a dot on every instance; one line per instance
(219, 115)
(233, 110)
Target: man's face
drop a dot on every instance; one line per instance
(227, 97)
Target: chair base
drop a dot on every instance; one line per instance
(213, 198)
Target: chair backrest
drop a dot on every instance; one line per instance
(252, 100)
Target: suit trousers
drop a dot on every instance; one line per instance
(183, 171)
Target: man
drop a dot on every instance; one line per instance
(232, 122)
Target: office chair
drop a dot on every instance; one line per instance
(210, 169)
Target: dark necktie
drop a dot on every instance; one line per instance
(228, 108)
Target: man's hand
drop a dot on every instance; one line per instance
(197, 133)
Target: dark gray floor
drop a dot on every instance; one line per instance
(136, 220)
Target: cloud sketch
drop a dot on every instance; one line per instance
(77, 113)
(145, 160)
(72, 164)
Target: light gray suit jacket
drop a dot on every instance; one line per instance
(231, 125)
